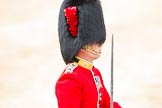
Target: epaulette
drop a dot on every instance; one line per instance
(70, 68)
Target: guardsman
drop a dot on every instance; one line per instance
(81, 36)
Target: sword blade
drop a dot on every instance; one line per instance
(112, 62)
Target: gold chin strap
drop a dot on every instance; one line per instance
(91, 50)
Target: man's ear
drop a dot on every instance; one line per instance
(82, 50)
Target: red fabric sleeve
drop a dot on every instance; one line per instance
(68, 91)
(116, 105)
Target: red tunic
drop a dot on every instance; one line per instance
(76, 88)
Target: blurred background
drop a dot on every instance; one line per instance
(31, 62)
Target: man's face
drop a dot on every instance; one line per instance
(93, 51)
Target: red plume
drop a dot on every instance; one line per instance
(72, 20)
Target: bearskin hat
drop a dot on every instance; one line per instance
(80, 23)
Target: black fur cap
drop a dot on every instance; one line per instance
(91, 27)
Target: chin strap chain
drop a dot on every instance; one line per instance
(91, 50)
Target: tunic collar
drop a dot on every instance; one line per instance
(84, 63)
